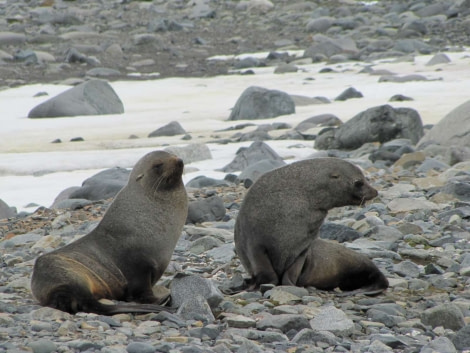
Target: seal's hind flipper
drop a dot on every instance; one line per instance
(128, 308)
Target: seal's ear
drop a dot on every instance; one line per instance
(140, 176)
(334, 175)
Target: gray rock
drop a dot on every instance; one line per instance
(303, 100)
(462, 338)
(283, 322)
(260, 336)
(446, 315)
(257, 135)
(318, 121)
(43, 346)
(193, 152)
(458, 187)
(185, 286)
(385, 318)
(6, 211)
(103, 72)
(202, 181)
(379, 124)
(338, 232)
(247, 62)
(11, 38)
(326, 47)
(349, 93)
(245, 157)
(452, 130)
(439, 344)
(411, 46)
(94, 97)
(333, 320)
(321, 24)
(140, 347)
(308, 336)
(437, 59)
(71, 204)
(240, 321)
(379, 347)
(203, 244)
(286, 68)
(400, 98)
(22, 239)
(402, 79)
(261, 103)
(103, 185)
(171, 129)
(457, 154)
(222, 254)
(195, 307)
(251, 173)
(407, 269)
(206, 210)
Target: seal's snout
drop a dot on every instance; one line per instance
(179, 163)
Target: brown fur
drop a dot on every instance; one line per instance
(125, 255)
(276, 232)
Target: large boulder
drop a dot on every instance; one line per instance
(452, 130)
(103, 185)
(94, 97)
(261, 103)
(252, 173)
(193, 152)
(378, 124)
(248, 156)
(171, 129)
(6, 211)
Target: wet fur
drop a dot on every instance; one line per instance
(276, 232)
(125, 255)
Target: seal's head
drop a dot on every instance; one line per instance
(159, 170)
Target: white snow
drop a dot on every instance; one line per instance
(34, 170)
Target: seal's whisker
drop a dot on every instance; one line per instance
(158, 182)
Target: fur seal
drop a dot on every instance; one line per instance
(125, 255)
(276, 232)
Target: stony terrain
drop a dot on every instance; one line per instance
(416, 230)
(47, 40)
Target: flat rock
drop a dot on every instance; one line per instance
(402, 204)
(261, 103)
(333, 320)
(94, 97)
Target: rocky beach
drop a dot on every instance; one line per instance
(239, 88)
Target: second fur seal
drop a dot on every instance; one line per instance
(276, 232)
(125, 255)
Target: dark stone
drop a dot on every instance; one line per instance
(202, 181)
(378, 124)
(349, 93)
(103, 185)
(261, 103)
(6, 211)
(94, 97)
(254, 171)
(170, 129)
(338, 232)
(206, 210)
(461, 340)
(400, 98)
(452, 130)
(247, 156)
(318, 120)
(446, 315)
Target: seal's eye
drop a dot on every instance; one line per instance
(359, 183)
(158, 167)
